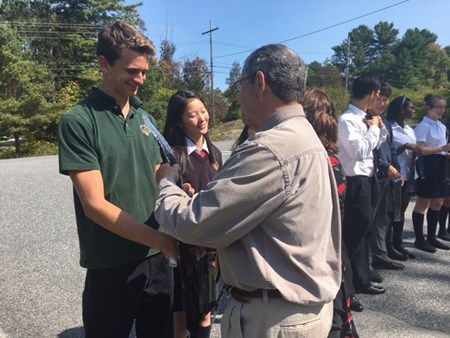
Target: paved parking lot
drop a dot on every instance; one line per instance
(41, 281)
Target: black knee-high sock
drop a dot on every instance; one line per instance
(432, 220)
(443, 214)
(201, 332)
(418, 226)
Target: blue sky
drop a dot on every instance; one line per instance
(248, 24)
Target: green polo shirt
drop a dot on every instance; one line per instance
(94, 135)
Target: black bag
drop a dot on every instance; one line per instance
(199, 273)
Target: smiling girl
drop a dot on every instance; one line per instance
(432, 182)
(186, 130)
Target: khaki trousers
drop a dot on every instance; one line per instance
(275, 318)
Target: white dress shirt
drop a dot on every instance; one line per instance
(432, 133)
(357, 142)
(191, 147)
(402, 136)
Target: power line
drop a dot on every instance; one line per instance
(50, 24)
(322, 29)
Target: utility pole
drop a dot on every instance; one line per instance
(213, 115)
(347, 68)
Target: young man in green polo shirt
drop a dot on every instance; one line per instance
(112, 160)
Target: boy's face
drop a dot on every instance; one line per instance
(379, 104)
(126, 75)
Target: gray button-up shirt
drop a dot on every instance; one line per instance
(272, 213)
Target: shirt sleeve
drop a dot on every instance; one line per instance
(421, 132)
(240, 197)
(357, 142)
(76, 148)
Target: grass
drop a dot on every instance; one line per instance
(226, 131)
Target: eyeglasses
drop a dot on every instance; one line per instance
(237, 84)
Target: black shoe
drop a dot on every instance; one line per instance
(387, 265)
(402, 250)
(355, 304)
(375, 277)
(371, 290)
(394, 254)
(424, 246)
(434, 242)
(444, 235)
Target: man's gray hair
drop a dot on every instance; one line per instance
(284, 70)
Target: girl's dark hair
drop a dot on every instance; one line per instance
(320, 113)
(176, 136)
(395, 108)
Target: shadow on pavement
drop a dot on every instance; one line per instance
(74, 332)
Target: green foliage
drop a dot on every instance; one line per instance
(48, 64)
(196, 75)
(231, 94)
(413, 61)
(323, 75)
(28, 109)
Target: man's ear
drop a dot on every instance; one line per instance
(103, 63)
(260, 78)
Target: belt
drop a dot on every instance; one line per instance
(243, 295)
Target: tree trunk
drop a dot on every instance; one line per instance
(17, 144)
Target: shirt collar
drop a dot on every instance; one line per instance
(191, 147)
(429, 120)
(283, 115)
(356, 110)
(135, 102)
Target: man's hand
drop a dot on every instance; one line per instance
(169, 246)
(393, 174)
(188, 189)
(374, 121)
(446, 147)
(165, 170)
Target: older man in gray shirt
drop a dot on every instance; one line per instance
(272, 212)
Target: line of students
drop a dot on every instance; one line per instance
(386, 163)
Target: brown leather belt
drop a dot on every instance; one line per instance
(242, 295)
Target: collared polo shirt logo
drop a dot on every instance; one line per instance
(145, 130)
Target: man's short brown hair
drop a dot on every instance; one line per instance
(112, 39)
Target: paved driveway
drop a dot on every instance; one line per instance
(41, 281)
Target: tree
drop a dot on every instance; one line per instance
(170, 68)
(323, 75)
(368, 50)
(62, 34)
(438, 65)
(411, 65)
(232, 93)
(154, 94)
(385, 36)
(28, 110)
(360, 51)
(196, 75)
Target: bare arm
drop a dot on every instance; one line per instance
(432, 150)
(89, 187)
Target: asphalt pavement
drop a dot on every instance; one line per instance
(41, 282)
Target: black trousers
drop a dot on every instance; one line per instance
(116, 297)
(358, 213)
